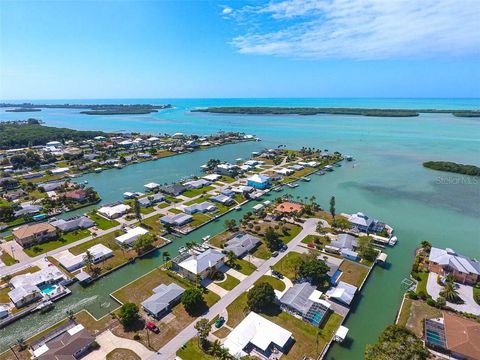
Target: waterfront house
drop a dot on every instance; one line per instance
(4, 311)
(304, 301)
(72, 342)
(24, 295)
(202, 207)
(79, 195)
(151, 200)
(52, 185)
(176, 220)
(33, 234)
(227, 169)
(173, 189)
(297, 167)
(8, 183)
(259, 181)
(115, 211)
(80, 222)
(241, 243)
(27, 209)
(212, 177)
(222, 199)
(284, 171)
(363, 223)
(342, 292)
(70, 262)
(203, 265)
(151, 186)
(163, 299)
(130, 236)
(453, 335)
(227, 192)
(446, 261)
(255, 334)
(196, 184)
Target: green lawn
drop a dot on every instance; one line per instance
(277, 284)
(198, 200)
(153, 224)
(316, 240)
(7, 259)
(191, 350)
(227, 179)
(163, 205)
(262, 252)
(353, 273)
(293, 231)
(422, 284)
(243, 266)
(199, 219)
(229, 283)
(195, 192)
(146, 210)
(107, 240)
(103, 223)
(54, 244)
(288, 264)
(175, 211)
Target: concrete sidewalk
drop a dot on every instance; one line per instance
(109, 342)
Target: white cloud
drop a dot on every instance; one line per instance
(227, 10)
(360, 29)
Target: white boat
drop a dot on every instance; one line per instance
(85, 182)
(328, 168)
(182, 249)
(238, 208)
(294, 185)
(206, 238)
(393, 240)
(307, 179)
(97, 170)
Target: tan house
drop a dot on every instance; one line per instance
(446, 261)
(28, 235)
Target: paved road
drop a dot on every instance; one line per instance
(168, 351)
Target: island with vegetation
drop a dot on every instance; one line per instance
(90, 109)
(31, 132)
(259, 110)
(453, 167)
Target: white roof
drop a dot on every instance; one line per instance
(151, 185)
(131, 235)
(259, 178)
(343, 292)
(258, 331)
(75, 329)
(212, 177)
(451, 258)
(114, 210)
(258, 207)
(196, 264)
(41, 350)
(341, 333)
(59, 170)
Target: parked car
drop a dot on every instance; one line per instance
(275, 254)
(152, 327)
(219, 322)
(277, 274)
(284, 248)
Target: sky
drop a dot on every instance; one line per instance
(223, 49)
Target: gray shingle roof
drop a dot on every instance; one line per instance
(162, 298)
(241, 243)
(297, 297)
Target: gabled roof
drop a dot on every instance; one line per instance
(196, 264)
(259, 178)
(30, 230)
(345, 241)
(360, 219)
(162, 297)
(241, 243)
(343, 292)
(448, 257)
(297, 297)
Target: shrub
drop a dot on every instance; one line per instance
(431, 302)
(136, 337)
(412, 295)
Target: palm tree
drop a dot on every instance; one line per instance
(223, 354)
(450, 293)
(215, 348)
(21, 344)
(88, 260)
(231, 258)
(137, 210)
(190, 244)
(166, 256)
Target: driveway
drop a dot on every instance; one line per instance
(464, 291)
(169, 350)
(109, 342)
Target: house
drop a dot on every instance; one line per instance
(27, 209)
(447, 261)
(222, 199)
(196, 184)
(24, 295)
(212, 177)
(343, 292)
(288, 207)
(33, 234)
(61, 170)
(259, 181)
(150, 200)
(4, 311)
(257, 334)
(14, 195)
(297, 167)
(349, 254)
(173, 189)
(52, 185)
(80, 222)
(130, 236)
(176, 220)
(227, 192)
(363, 223)
(163, 299)
(71, 343)
(345, 241)
(79, 195)
(241, 243)
(151, 186)
(227, 169)
(202, 207)
(202, 265)
(8, 183)
(115, 211)
(453, 335)
(303, 300)
(285, 171)
(243, 189)
(70, 262)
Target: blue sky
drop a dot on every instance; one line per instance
(281, 48)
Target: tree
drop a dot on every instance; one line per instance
(342, 223)
(231, 257)
(88, 260)
(314, 269)
(128, 314)
(166, 256)
(230, 224)
(143, 242)
(260, 296)
(332, 207)
(272, 239)
(137, 209)
(203, 328)
(426, 245)
(192, 300)
(396, 342)
(6, 213)
(450, 293)
(366, 249)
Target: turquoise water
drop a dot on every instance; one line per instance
(47, 289)
(388, 182)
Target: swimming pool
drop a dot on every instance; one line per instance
(47, 289)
